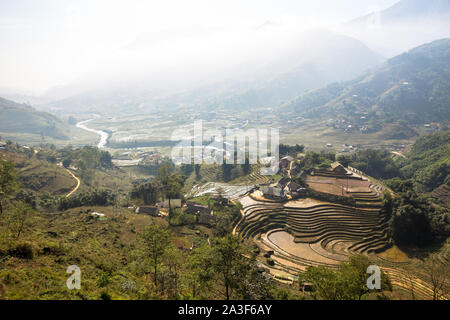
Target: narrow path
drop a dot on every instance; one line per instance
(239, 222)
(290, 168)
(398, 154)
(76, 187)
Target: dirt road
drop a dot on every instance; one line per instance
(76, 187)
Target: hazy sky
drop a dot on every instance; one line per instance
(48, 43)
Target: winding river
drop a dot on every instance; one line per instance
(103, 135)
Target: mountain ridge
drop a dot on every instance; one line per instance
(412, 86)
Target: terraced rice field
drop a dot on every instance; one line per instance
(213, 188)
(363, 230)
(308, 232)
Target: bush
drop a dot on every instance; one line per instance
(95, 198)
(180, 218)
(23, 250)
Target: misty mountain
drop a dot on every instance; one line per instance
(403, 26)
(302, 62)
(348, 59)
(18, 118)
(411, 87)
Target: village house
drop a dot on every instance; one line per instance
(338, 168)
(273, 192)
(151, 211)
(195, 208)
(283, 182)
(204, 214)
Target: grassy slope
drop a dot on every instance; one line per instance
(73, 238)
(41, 176)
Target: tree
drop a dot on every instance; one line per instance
(354, 274)
(66, 162)
(51, 159)
(376, 163)
(187, 168)
(323, 280)
(344, 160)
(149, 192)
(170, 182)
(197, 171)
(409, 222)
(19, 216)
(346, 283)
(200, 270)
(105, 159)
(254, 285)
(228, 262)
(8, 180)
(72, 121)
(173, 260)
(437, 273)
(156, 240)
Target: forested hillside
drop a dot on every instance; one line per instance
(412, 87)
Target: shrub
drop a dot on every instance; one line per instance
(22, 250)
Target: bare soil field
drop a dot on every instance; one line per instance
(337, 186)
(285, 241)
(304, 203)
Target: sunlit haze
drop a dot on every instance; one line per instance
(52, 43)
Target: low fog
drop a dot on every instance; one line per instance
(60, 49)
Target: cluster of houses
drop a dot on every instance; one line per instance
(287, 187)
(357, 123)
(432, 126)
(139, 157)
(284, 189)
(204, 214)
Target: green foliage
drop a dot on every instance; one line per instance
(201, 272)
(316, 159)
(346, 283)
(148, 192)
(66, 162)
(224, 219)
(170, 182)
(415, 221)
(181, 218)
(156, 240)
(229, 263)
(27, 197)
(428, 162)
(87, 157)
(8, 180)
(375, 163)
(94, 198)
(18, 217)
(49, 201)
(285, 150)
(21, 250)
